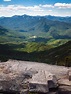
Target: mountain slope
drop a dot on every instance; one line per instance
(57, 18)
(41, 53)
(60, 55)
(3, 31)
(37, 26)
(7, 35)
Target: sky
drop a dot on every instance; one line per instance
(9, 8)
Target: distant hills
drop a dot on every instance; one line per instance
(26, 27)
(36, 38)
(57, 18)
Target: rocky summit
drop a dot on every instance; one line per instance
(24, 77)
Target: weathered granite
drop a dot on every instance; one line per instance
(24, 76)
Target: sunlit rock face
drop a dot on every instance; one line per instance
(22, 77)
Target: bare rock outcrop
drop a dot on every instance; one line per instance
(23, 77)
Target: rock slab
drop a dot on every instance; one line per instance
(24, 76)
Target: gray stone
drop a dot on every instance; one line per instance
(35, 87)
(52, 82)
(64, 88)
(69, 75)
(26, 76)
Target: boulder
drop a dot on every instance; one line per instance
(52, 82)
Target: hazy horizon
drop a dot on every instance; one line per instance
(34, 15)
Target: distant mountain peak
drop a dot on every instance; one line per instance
(56, 27)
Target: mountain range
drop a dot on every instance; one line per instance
(58, 18)
(20, 37)
(35, 28)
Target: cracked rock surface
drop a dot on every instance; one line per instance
(24, 76)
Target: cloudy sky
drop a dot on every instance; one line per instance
(35, 7)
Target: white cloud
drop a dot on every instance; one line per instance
(46, 9)
(62, 5)
(47, 6)
(6, 0)
(50, 10)
(19, 10)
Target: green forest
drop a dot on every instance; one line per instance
(36, 38)
(37, 52)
